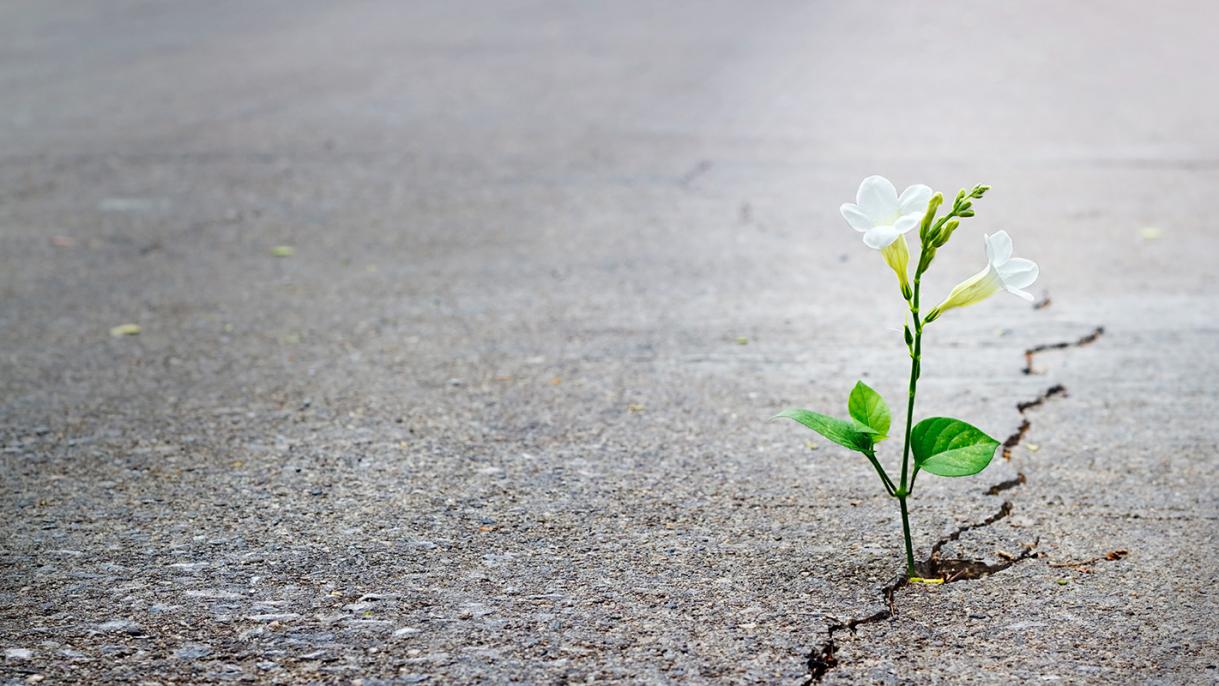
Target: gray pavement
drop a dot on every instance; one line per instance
(499, 417)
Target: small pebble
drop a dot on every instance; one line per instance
(193, 651)
(121, 625)
(274, 617)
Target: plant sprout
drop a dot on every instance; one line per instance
(939, 445)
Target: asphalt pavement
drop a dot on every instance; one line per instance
(434, 342)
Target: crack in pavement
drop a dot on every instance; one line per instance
(965, 570)
(823, 658)
(1005, 485)
(1078, 343)
(1082, 565)
(1014, 440)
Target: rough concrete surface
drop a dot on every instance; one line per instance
(500, 415)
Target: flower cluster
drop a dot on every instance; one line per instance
(884, 217)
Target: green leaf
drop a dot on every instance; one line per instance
(949, 447)
(851, 435)
(869, 409)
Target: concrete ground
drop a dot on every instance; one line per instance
(500, 414)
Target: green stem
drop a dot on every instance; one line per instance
(903, 490)
(880, 471)
(910, 571)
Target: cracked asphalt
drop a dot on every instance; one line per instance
(459, 324)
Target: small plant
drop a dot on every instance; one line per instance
(940, 445)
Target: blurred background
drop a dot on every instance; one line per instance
(335, 331)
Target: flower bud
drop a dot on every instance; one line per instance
(946, 232)
(932, 207)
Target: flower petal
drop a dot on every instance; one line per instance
(879, 237)
(878, 199)
(915, 199)
(1018, 273)
(908, 221)
(1023, 294)
(975, 289)
(856, 217)
(998, 248)
(897, 256)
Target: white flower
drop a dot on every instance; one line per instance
(880, 215)
(884, 219)
(1002, 272)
